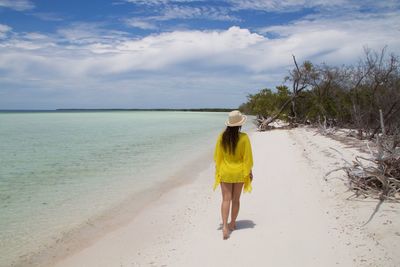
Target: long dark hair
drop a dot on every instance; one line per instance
(230, 138)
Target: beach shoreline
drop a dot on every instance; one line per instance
(291, 211)
(113, 218)
(307, 217)
(63, 173)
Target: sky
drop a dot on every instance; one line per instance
(175, 54)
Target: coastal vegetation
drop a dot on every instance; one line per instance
(345, 96)
(364, 98)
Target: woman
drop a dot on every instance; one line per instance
(234, 161)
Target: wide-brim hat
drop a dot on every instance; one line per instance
(235, 118)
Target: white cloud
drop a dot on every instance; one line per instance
(88, 33)
(4, 29)
(144, 24)
(284, 5)
(36, 36)
(48, 16)
(19, 5)
(327, 5)
(92, 51)
(205, 12)
(171, 12)
(112, 63)
(271, 5)
(147, 2)
(339, 40)
(168, 49)
(160, 2)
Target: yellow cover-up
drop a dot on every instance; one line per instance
(234, 168)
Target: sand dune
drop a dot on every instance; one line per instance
(292, 218)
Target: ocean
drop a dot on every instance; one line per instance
(59, 170)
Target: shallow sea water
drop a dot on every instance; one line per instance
(59, 169)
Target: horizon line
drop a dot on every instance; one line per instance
(118, 109)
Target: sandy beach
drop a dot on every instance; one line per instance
(293, 217)
(111, 111)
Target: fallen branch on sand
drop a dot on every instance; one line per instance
(378, 176)
(325, 128)
(264, 124)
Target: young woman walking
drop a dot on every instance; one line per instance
(233, 161)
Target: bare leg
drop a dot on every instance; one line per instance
(226, 189)
(236, 191)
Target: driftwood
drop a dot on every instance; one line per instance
(385, 118)
(267, 123)
(375, 177)
(379, 175)
(325, 128)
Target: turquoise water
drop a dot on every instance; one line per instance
(58, 169)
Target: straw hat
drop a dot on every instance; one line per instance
(235, 119)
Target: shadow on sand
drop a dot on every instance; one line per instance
(241, 224)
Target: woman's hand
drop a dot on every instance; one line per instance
(251, 175)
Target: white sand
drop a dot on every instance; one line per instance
(292, 218)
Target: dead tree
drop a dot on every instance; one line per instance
(375, 86)
(300, 80)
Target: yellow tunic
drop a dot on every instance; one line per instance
(234, 168)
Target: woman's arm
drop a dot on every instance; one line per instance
(218, 153)
(248, 158)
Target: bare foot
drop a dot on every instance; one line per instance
(232, 226)
(225, 233)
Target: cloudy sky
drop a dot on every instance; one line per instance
(175, 54)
